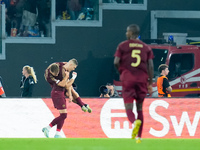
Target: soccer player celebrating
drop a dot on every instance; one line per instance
(133, 59)
(57, 75)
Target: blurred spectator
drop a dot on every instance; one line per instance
(87, 10)
(29, 17)
(2, 92)
(8, 24)
(109, 1)
(6, 2)
(74, 7)
(124, 1)
(44, 13)
(61, 7)
(14, 16)
(19, 13)
(108, 91)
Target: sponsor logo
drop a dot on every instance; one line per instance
(181, 123)
(113, 119)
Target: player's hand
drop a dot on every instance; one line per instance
(150, 89)
(70, 98)
(74, 75)
(67, 74)
(106, 95)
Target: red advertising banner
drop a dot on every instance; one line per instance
(172, 118)
(81, 124)
(163, 118)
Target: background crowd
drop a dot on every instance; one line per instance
(31, 18)
(123, 1)
(27, 18)
(76, 9)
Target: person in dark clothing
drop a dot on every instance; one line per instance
(28, 81)
(111, 91)
(163, 86)
(29, 17)
(43, 18)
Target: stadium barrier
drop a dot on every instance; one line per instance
(163, 118)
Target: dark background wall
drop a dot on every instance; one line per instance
(93, 47)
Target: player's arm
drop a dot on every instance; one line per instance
(169, 89)
(63, 82)
(166, 85)
(117, 62)
(71, 81)
(117, 55)
(104, 95)
(69, 92)
(69, 87)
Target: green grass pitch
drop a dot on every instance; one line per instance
(97, 144)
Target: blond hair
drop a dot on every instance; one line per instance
(74, 61)
(31, 72)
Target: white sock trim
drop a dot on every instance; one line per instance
(48, 127)
(57, 132)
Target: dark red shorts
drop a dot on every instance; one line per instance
(58, 98)
(134, 90)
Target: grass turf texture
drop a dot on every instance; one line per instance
(97, 144)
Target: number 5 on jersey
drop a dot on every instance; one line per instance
(136, 54)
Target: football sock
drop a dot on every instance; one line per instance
(61, 122)
(79, 102)
(130, 115)
(140, 116)
(49, 127)
(59, 119)
(57, 132)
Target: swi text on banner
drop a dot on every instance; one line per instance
(163, 118)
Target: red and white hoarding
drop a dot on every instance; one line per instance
(163, 118)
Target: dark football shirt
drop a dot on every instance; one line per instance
(134, 55)
(54, 80)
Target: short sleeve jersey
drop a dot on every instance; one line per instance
(54, 80)
(134, 55)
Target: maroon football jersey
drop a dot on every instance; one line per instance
(134, 55)
(54, 80)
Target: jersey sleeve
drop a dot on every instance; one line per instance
(52, 80)
(165, 83)
(118, 52)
